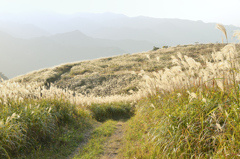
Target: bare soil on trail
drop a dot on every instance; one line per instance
(114, 143)
(111, 146)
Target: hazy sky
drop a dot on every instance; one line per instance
(221, 11)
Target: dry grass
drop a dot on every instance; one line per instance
(187, 101)
(187, 72)
(222, 28)
(114, 75)
(191, 111)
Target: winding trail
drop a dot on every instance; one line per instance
(113, 145)
(86, 137)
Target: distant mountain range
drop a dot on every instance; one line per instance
(114, 27)
(24, 55)
(39, 40)
(22, 30)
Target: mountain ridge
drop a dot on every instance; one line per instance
(46, 51)
(170, 31)
(81, 37)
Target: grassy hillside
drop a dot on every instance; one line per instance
(114, 75)
(185, 104)
(191, 111)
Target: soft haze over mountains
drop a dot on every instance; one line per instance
(38, 40)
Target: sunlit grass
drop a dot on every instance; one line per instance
(95, 146)
(170, 126)
(192, 110)
(29, 123)
(189, 109)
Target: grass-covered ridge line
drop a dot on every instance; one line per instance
(114, 75)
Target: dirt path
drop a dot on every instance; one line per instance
(86, 137)
(113, 145)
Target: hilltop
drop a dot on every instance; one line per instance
(114, 75)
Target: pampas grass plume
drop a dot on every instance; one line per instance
(222, 28)
(237, 34)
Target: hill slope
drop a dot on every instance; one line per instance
(113, 75)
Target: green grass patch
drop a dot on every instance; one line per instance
(95, 146)
(63, 147)
(102, 112)
(173, 126)
(28, 125)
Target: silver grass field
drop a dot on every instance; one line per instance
(189, 110)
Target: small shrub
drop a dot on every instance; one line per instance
(155, 48)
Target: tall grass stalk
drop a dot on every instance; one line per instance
(222, 28)
(28, 123)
